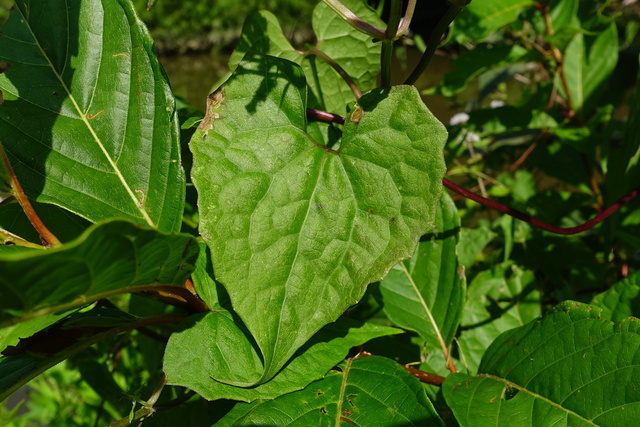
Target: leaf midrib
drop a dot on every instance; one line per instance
(83, 117)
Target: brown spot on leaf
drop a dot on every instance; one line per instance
(214, 100)
(356, 116)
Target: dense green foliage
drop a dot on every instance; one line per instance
(289, 256)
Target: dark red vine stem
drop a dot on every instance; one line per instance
(334, 118)
(536, 222)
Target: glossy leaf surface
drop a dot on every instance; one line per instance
(288, 217)
(569, 368)
(97, 134)
(368, 391)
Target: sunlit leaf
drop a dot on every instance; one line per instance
(288, 217)
(211, 349)
(88, 120)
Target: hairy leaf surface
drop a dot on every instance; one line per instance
(88, 120)
(302, 226)
(569, 368)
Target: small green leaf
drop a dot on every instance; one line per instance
(91, 126)
(569, 368)
(108, 257)
(287, 217)
(212, 349)
(620, 301)
(368, 391)
(431, 285)
(481, 18)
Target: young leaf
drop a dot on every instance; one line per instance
(88, 120)
(430, 287)
(213, 351)
(368, 391)
(287, 217)
(568, 368)
(108, 257)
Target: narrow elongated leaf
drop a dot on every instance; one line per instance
(368, 391)
(306, 227)
(108, 257)
(621, 300)
(588, 63)
(498, 300)
(98, 133)
(570, 368)
(429, 287)
(213, 352)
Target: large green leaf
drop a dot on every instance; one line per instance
(498, 300)
(303, 226)
(569, 368)
(355, 52)
(368, 391)
(212, 349)
(88, 119)
(430, 287)
(107, 258)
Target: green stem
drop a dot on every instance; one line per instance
(341, 71)
(357, 23)
(434, 42)
(387, 43)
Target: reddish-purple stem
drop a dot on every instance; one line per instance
(334, 118)
(536, 222)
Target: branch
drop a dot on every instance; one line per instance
(387, 43)
(434, 42)
(406, 19)
(17, 192)
(424, 377)
(536, 222)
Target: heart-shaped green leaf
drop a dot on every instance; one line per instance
(306, 227)
(88, 119)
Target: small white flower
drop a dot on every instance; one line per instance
(496, 103)
(459, 119)
(471, 138)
